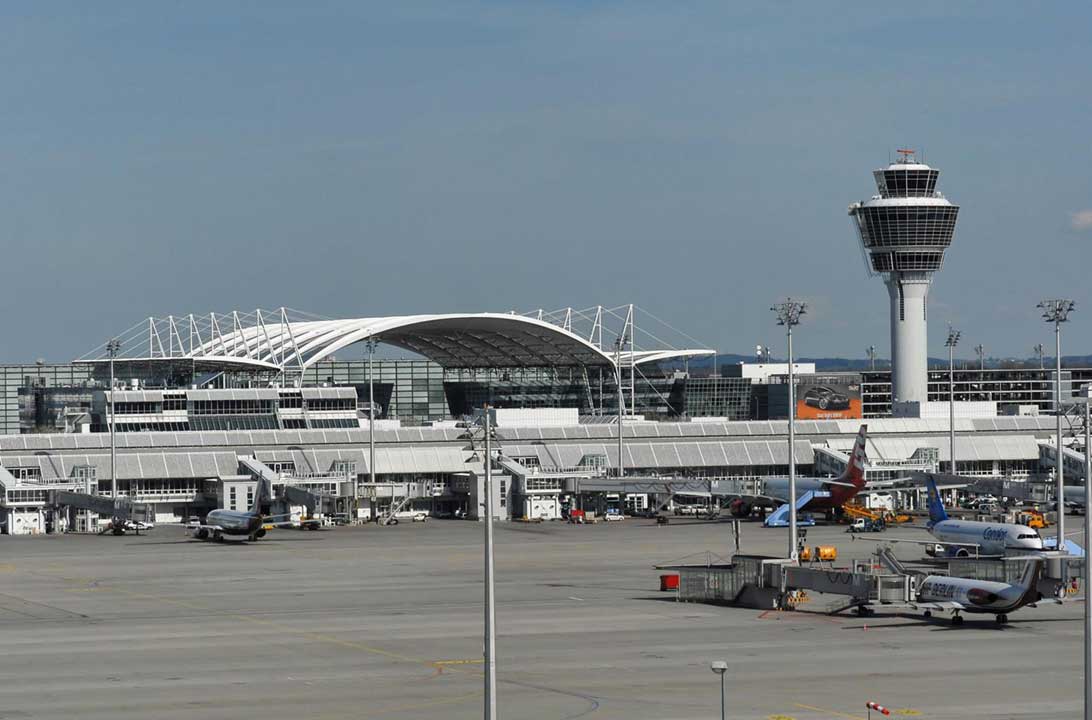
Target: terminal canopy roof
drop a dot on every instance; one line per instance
(271, 340)
(289, 341)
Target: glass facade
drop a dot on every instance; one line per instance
(22, 380)
(1006, 386)
(417, 386)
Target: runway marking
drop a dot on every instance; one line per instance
(829, 712)
(459, 662)
(7, 567)
(780, 717)
(573, 597)
(906, 712)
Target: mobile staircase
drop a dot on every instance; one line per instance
(780, 516)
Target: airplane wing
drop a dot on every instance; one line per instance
(939, 606)
(753, 498)
(916, 542)
(203, 526)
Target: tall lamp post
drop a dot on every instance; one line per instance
(371, 417)
(872, 355)
(1057, 312)
(112, 349)
(788, 315)
(490, 646)
(1039, 349)
(1087, 398)
(720, 667)
(950, 343)
(621, 400)
(980, 350)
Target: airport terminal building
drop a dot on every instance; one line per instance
(201, 410)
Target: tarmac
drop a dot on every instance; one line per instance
(373, 622)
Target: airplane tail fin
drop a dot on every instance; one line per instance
(855, 470)
(259, 495)
(936, 507)
(1030, 578)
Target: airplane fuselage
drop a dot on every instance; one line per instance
(991, 538)
(976, 596)
(839, 494)
(235, 522)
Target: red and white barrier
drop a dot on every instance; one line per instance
(877, 707)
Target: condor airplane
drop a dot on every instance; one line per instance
(837, 491)
(962, 537)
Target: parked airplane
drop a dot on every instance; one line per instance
(219, 523)
(937, 593)
(961, 538)
(838, 491)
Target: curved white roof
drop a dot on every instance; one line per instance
(644, 357)
(467, 340)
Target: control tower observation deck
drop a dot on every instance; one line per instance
(904, 231)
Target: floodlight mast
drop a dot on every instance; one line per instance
(1057, 312)
(950, 343)
(112, 349)
(371, 344)
(788, 315)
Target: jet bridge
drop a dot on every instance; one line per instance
(763, 582)
(121, 508)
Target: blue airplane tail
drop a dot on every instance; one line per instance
(936, 507)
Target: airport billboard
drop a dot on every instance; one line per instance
(817, 399)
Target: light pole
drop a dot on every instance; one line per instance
(720, 667)
(621, 400)
(112, 349)
(371, 414)
(1057, 312)
(1087, 572)
(788, 315)
(950, 343)
(490, 599)
(489, 642)
(980, 350)
(872, 355)
(1039, 349)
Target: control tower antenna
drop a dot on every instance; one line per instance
(905, 230)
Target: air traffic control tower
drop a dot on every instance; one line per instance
(904, 231)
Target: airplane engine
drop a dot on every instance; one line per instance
(740, 508)
(260, 533)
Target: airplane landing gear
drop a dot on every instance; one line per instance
(252, 537)
(218, 537)
(202, 534)
(928, 614)
(957, 619)
(1002, 619)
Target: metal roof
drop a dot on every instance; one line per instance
(900, 449)
(748, 453)
(273, 341)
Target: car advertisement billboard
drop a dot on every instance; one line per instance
(820, 400)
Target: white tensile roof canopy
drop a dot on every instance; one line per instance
(279, 341)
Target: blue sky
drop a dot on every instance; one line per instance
(355, 159)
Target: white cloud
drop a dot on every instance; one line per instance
(1082, 220)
